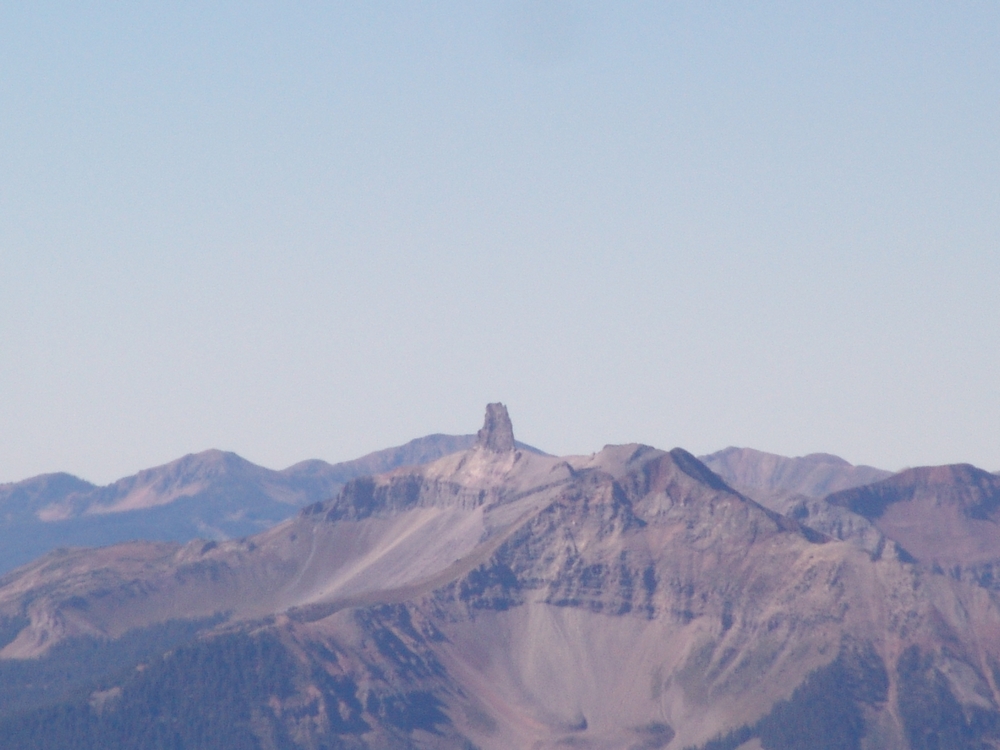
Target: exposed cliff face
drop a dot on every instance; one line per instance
(501, 598)
(497, 434)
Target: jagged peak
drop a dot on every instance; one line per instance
(497, 434)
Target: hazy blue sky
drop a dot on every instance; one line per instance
(316, 229)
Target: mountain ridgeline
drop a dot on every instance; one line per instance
(213, 494)
(496, 597)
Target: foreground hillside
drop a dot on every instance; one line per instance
(497, 598)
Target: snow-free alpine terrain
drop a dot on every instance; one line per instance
(502, 598)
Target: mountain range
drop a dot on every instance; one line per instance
(498, 597)
(213, 495)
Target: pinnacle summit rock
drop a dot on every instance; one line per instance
(497, 434)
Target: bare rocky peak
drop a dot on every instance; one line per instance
(768, 474)
(35, 492)
(497, 434)
(946, 515)
(798, 487)
(974, 493)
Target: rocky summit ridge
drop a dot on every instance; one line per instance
(500, 598)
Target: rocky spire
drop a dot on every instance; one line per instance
(497, 434)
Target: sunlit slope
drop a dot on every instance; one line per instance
(210, 495)
(498, 598)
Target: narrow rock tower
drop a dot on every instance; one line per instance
(497, 434)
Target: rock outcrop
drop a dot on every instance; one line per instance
(773, 476)
(497, 433)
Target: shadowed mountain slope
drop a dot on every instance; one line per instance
(945, 516)
(496, 598)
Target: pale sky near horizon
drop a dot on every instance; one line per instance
(313, 230)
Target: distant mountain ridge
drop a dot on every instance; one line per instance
(814, 475)
(948, 516)
(496, 598)
(213, 494)
(797, 487)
